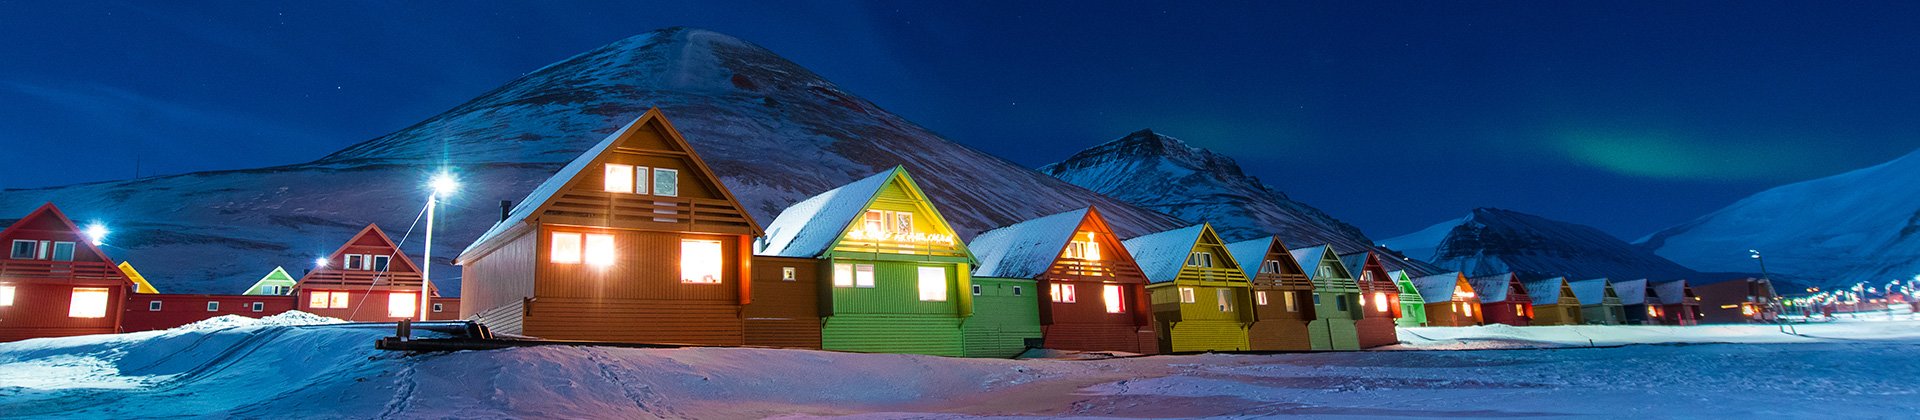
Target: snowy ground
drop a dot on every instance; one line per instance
(1856, 369)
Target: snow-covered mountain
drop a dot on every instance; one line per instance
(1863, 225)
(1162, 173)
(1492, 241)
(776, 132)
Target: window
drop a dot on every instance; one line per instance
(327, 300)
(700, 261)
(1517, 310)
(1380, 301)
(976, 290)
(257, 306)
(356, 262)
(1260, 297)
(1366, 276)
(1316, 299)
(640, 179)
(903, 222)
(853, 275)
(1063, 293)
(599, 249)
(566, 248)
(1340, 304)
(619, 178)
(1326, 271)
(88, 302)
(1016, 290)
(666, 182)
(1083, 247)
(1186, 295)
(843, 275)
(1116, 303)
(1363, 301)
(279, 290)
(401, 305)
(876, 221)
(1292, 306)
(6, 295)
(1200, 259)
(437, 308)
(380, 262)
(1224, 298)
(933, 284)
(23, 249)
(63, 251)
(1466, 308)
(153, 306)
(213, 306)
(1270, 267)
(789, 274)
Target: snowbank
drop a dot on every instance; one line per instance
(1506, 337)
(284, 319)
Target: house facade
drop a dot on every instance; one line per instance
(1335, 300)
(1451, 301)
(635, 240)
(894, 276)
(1201, 298)
(1379, 300)
(1503, 300)
(367, 280)
(55, 282)
(1085, 290)
(1638, 304)
(1282, 295)
(1554, 302)
(1678, 304)
(1742, 300)
(1599, 303)
(275, 283)
(1413, 307)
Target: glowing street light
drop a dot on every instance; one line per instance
(442, 184)
(97, 233)
(319, 263)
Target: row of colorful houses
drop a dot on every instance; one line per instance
(637, 240)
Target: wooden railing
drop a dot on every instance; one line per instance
(690, 214)
(1090, 269)
(58, 270)
(361, 278)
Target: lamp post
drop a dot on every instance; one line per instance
(1768, 279)
(442, 184)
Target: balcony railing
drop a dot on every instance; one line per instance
(58, 270)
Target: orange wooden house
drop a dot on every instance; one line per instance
(369, 279)
(635, 240)
(55, 282)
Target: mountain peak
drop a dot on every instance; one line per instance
(1494, 240)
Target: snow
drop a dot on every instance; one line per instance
(1421, 244)
(1438, 286)
(1590, 291)
(807, 228)
(545, 191)
(1490, 241)
(1839, 369)
(1545, 291)
(1161, 255)
(1632, 292)
(1025, 250)
(1251, 253)
(283, 319)
(1492, 288)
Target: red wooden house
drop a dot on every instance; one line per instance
(159, 311)
(635, 240)
(1076, 254)
(1379, 299)
(1282, 295)
(1678, 304)
(367, 280)
(1503, 300)
(55, 282)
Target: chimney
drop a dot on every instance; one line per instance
(506, 207)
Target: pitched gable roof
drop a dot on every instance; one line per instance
(278, 276)
(1545, 291)
(1671, 293)
(140, 284)
(569, 174)
(1256, 249)
(1314, 255)
(1025, 249)
(1162, 254)
(1404, 282)
(1590, 291)
(1493, 288)
(1632, 292)
(811, 227)
(48, 210)
(1442, 285)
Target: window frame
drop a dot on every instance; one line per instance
(438, 307)
(33, 249)
(73, 300)
(72, 250)
(1293, 302)
(155, 306)
(589, 255)
(976, 289)
(1187, 295)
(213, 306)
(719, 269)
(617, 172)
(674, 182)
(1063, 293)
(1114, 297)
(789, 274)
(1260, 297)
(1223, 299)
(257, 306)
(6, 294)
(578, 253)
(926, 293)
(412, 304)
(380, 263)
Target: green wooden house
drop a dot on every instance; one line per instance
(1336, 299)
(1201, 298)
(1599, 303)
(1006, 318)
(898, 276)
(276, 283)
(1413, 308)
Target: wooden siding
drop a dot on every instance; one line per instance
(178, 309)
(895, 197)
(401, 274)
(639, 297)
(1202, 320)
(41, 309)
(44, 288)
(1412, 314)
(1002, 321)
(660, 321)
(1085, 325)
(1452, 313)
(504, 319)
(784, 313)
(500, 277)
(1333, 328)
(364, 305)
(930, 334)
(1206, 335)
(1603, 314)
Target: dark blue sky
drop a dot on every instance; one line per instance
(1628, 117)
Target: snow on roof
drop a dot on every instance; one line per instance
(1309, 259)
(1254, 250)
(1590, 291)
(1160, 255)
(1545, 291)
(1438, 285)
(1025, 250)
(547, 189)
(1492, 288)
(1354, 262)
(808, 227)
(1632, 292)
(1671, 293)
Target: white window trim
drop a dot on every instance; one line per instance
(213, 306)
(35, 244)
(921, 281)
(257, 306)
(1187, 295)
(155, 306)
(676, 181)
(73, 250)
(719, 259)
(976, 290)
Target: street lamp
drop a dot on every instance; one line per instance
(97, 233)
(442, 184)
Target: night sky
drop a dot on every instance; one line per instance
(1627, 117)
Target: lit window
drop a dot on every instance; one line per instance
(63, 251)
(976, 290)
(1363, 301)
(1063, 293)
(1380, 301)
(1466, 308)
(400, 305)
(1225, 299)
(1186, 295)
(88, 302)
(933, 284)
(666, 182)
(337, 299)
(789, 274)
(566, 248)
(153, 306)
(1366, 276)
(380, 262)
(876, 221)
(257, 306)
(1083, 247)
(317, 300)
(1114, 300)
(1517, 310)
(24, 249)
(619, 178)
(863, 275)
(213, 306)
(843, 275)
(700, 261)
(1292, 306)
(6, 295)
(599, 249)
(1260, 297)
